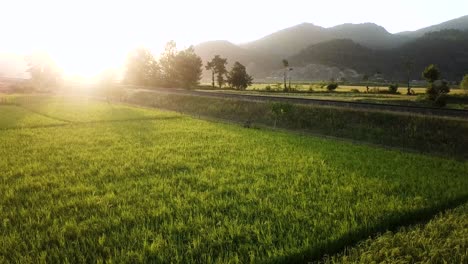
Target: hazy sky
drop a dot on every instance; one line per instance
(78, 32)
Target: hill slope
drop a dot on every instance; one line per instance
(446, 48)
(460, 23)
(257, 63)
(292, 40)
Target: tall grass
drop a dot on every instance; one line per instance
(190, 191)
(442, 240)
(422, 133)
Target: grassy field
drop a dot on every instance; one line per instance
(429, 134)
(154, 186)
(457, 98)
(443, 240)
(12, 116)
(319, 87)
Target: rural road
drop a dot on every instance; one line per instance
(310, 101)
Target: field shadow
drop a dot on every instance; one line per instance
(391, 223)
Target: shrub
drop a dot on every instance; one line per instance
(332, 86)
(437, 89)
(279, 110)
(354, 90)
(22, 87)
(464, 83)
(440, 101)
(393, 88)
(268, 88)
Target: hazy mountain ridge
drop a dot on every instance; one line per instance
(372, 46)
(290, 41)
(257, 63)
(446, 48)
(460, 23)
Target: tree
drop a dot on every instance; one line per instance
(210, 67)
(45, 74)
(464, 83)
(167, 62)
(332, 86)
(408, 66)
(217, 65)
(142, 68)
(286, 69)
(431, 73)
(238, 77)
(365, 78)
(437, 88)
(290, 69)
(188, 67)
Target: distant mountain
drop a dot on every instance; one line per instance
(257, 63)
(354, 48)
(446, 48)
(369, 35)
(294, 39)
(290, 40)
(460, 23)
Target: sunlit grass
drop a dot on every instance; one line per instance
(184, 190)
(443, 240)
(83, 109)
(15, 117)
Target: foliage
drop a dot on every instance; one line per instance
(437, 91)
(431, 73)
(437, 88)
(393, 88)
(210, 67)
(167, 62)
(183, 68)
(442, 240)
(332, 86)
(286, 70)
(44, 72)
(188, 66)
(464, 83)
(142, 68)
(279, 110)
(176, 189)
(238, 77)
(218, 67)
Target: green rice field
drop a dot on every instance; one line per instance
(443, 240)
(115, 183)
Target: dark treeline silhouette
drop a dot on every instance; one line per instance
(237, 77)
(174, 68)
(181, 69)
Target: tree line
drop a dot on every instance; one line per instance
(181, 69)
